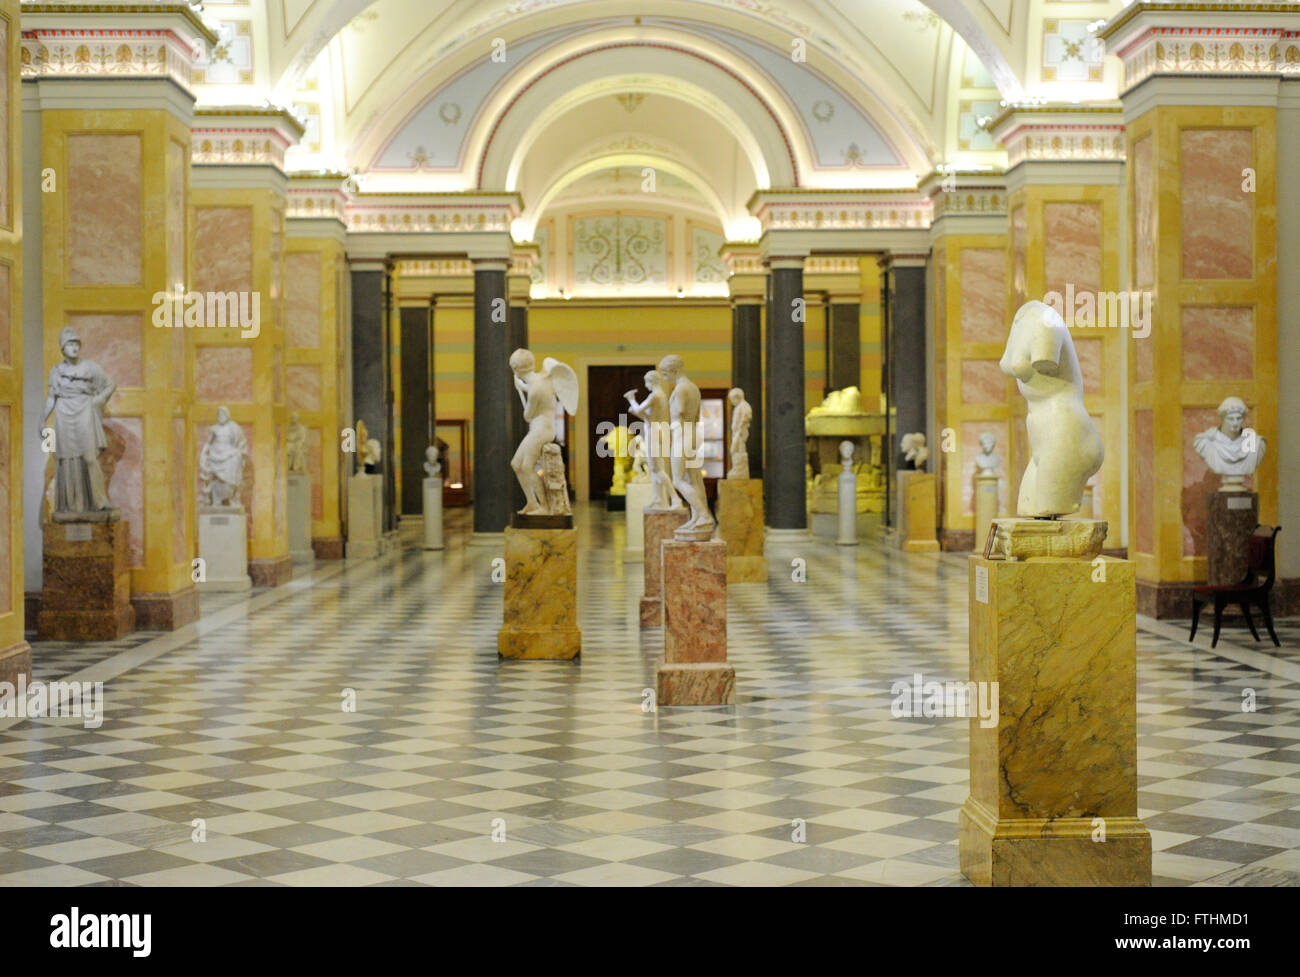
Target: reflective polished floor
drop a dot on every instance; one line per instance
(457, 768)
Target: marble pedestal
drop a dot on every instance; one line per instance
(847, 509)
(986, 508)
(658, 525)
(1232, 518)
(86, 592)
(223, 546)
(638, 497)
(298, 505)
(365, 516)
(916, 519)
(695, 671)
(432, 513)
(740, 526)
(541, 596)
(1059, 765)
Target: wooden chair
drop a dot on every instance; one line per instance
(1253, 589)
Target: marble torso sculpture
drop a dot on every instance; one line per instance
(1065, 449)
(986, 462)
(432, 467)
(540, 392)
(640, 469)
(915, 451)
(653, 411)
(221, 462)
(684, 455)
(1231, 450)
(741, 416)
(78, 391)
(296, 446)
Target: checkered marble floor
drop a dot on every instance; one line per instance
(459, 769)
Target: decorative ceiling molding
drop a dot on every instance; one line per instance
(784, 210)
(1061, 132)
(443, 213)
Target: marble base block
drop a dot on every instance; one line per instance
(1233, 517)
(639, 495)
(1055, 764)
(433, 514)
(86, 592)
(658, 525)
(16, 661)
(223, 546)
(986, 508)
(696, 684)
(365, 516)
(541, 595)
(916, 517)
(695, 625)
(298, 509)
(740, 526)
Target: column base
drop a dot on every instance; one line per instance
(633, 554)
(1056, 852)
(166, 612)
(746, 569)
(494, 540)
(652, 612)
(696, 684)
(16, 660)
(327, 547)
(273, 572)
(104, 625)
(539, 644)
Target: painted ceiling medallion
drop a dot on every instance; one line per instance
(630, 100)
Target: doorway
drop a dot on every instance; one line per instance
(606, 403)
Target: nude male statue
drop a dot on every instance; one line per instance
(741, 416)
(657, 440)
(685, 463)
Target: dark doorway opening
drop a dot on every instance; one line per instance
(606, 404)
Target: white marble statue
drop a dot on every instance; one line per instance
(653, 411)
(741, 416)
(684, 453)
(432, 467)
(915, 451)
(986, 462)
(1232, 451)
(540, 392)
(78, 391)
(640, 468)
(1065, 449)
(296, 446)
(221, 462)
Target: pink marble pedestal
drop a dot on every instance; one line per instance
(658, 526)
(695, 671)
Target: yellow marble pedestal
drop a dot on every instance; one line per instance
(541, 597)
(916, 512)
(740, 525)
(1054, 779)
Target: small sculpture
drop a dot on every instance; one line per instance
(540, 392)
(741, 415)
(1065, 449)
(684, 456)
(553, 477)
(296, 446)
(655, 413)
(1231, 450)
(915, 451)
(221, 462)
(846, 456)
(640, 468)
(369, 450)
(986, 462)
(78, 391)
(432, 467)
(840, 403)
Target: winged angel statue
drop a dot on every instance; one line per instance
(539, 391)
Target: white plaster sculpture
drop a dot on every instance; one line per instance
(741, 416)
(540, 392)
(640, 468)
(1231, 450)
(654, 412)
(432, 467)
(847, 492)
(915, 451)
(684, 453)
(986, 462)
(221, 463)
(78, 391)
(1065, 449)
(296, 446)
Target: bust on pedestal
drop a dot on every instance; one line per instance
(916, 499)
(432, 486)
(740, 502)
(298, 502)
(223, 524)
(986, 488)
(1233, 452)
(365, 499)
(848, 497)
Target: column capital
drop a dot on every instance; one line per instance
(966, 201)
(491, 264)
(903, 259)
(243, 135)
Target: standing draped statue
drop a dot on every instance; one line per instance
(78, 391)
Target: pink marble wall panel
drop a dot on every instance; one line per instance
(1199, 483)
(302, 299)
(1088, 350)
(1144, 205)
(6, 148)
(1019, 256)
(982, 382)
(116, 343)
(1218, 342)
(970, 447)
(6, 313)
(105, 230)
(6, 552)
(1072, 246)
(123, 464)
(223, 249)
(176, 169)
(1144, 454)
(983, 295)
(1217, 216)
(1144, 352)
(180, 509)
(245, 487)
(314, 470)
(223, 374)
(304, 386)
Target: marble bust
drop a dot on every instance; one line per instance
(296, 446)
(684, 456)
(653, 412)
(1065, 449)
(915, 451)
(846, 454)
(986, 462)
(221, 462)
(432, 467)
(1232, 451)
(741, 417)
(540, 393)
(369, 450)
(78, 390)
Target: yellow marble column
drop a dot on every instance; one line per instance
(239, 248)
(15, 656)
(114, 237)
